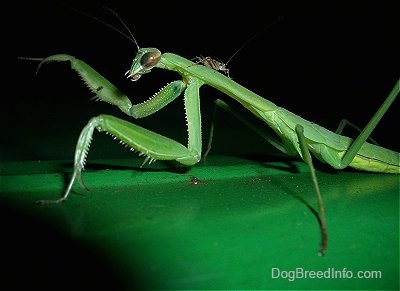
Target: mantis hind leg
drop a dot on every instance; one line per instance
(344, 122)
(366, 132)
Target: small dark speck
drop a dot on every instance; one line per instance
(99, 88)
(194, 181)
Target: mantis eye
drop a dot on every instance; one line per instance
(150, 59)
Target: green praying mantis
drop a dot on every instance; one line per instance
(297, 136)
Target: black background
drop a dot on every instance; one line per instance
(322, 60)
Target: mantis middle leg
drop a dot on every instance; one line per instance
(277, 144)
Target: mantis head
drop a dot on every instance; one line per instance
(144, 61)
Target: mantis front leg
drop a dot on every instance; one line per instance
(149, 144)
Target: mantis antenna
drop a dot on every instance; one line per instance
(223, 67)
(128, 36)
(252, 38)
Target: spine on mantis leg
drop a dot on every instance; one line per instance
(104, 90)
(150, 144)
(163, 97)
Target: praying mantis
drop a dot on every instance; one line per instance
(297, 136)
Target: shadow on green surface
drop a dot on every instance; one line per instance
(36, 254)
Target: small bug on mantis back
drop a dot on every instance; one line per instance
(213, 64)
(221, 66)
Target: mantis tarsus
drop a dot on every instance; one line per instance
(297, 136)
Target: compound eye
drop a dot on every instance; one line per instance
(150, 59)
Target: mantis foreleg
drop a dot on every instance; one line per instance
(149, 144)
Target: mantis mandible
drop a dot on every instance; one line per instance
(297, 136)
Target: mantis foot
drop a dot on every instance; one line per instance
(76, 175)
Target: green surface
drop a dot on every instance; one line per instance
(157, 228)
